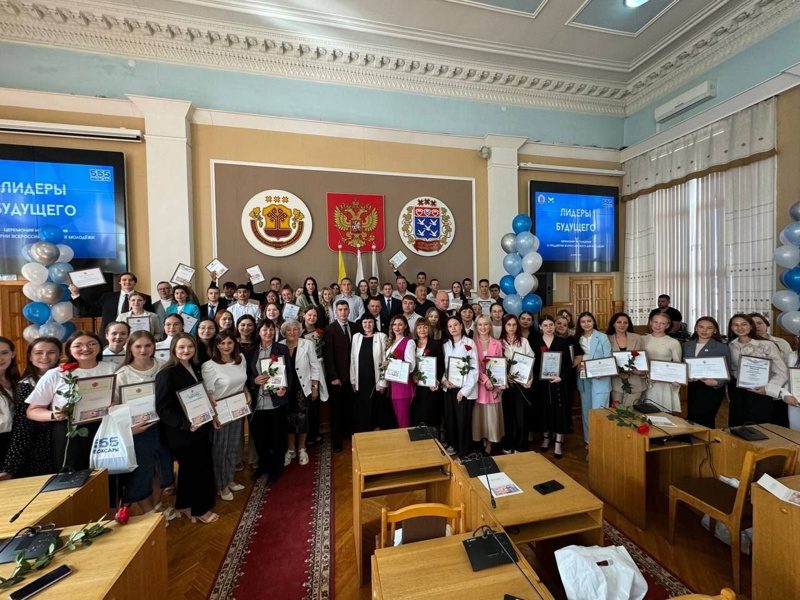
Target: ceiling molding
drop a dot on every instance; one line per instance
(500, 9)
(573, 23)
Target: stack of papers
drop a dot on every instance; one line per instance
(501, 485)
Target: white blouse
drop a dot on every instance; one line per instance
(127, 375)
(45, 392)
(470, 388)
(224, 379)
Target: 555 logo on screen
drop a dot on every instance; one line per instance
(99, 174)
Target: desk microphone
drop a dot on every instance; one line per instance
(36, 495)
(488, 483)
(663, 408)
(489, 532)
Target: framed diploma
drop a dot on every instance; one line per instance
(520, 369)
(290, 311)
(97, 394)
(668, 372)
(114, 358)
(398, 259)
(398, 371)
(255, 274)
(497, 367)
(232, 407)
(794, 382)
(87, 278)
(639, 362)
(162, 353)
(278, 377)
(712, 367)
(216, 268)
(426, 371)
(454, 366)
(139, 323)
(141, 399)
(486, 306)
(183, 275)
(456, 303)
(196, 405)
(551, 365)
(753, 372)
(188, 321)
(601, 367)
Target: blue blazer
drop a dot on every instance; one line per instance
(189, 309)
(712, 348)
(599, 347)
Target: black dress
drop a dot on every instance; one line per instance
(426, 406)
(368, 414)
(31, 450)
(555, 403)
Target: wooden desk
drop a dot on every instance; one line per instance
(728, 454)
(776, 544)
(440, 569)
(618, 460)
(387, 462)
(76, 506)
(573, 510)
(130, 562)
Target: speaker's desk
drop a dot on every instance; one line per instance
(729, 450)
(619, 457)
(530, 516)
(128, 563)
(438, 569)
(75, 506)
(388, 462)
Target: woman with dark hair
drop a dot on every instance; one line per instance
(246, 330)
(117, 334)
(44, 404)
(426, 407)
(312, 331)
(595, 392)
(136, 301)
(9, 378)
(363, 290)
(762, 328)
(457, 401)
(432, 317)
(757, 405)
(225, 375)
(457, 296)
(272, 311)
(190, 444)
(623, 339)
(528, 325)
(705, 395)
(181, 306)
(310, 295)
(207, 331)
(659, 346)
(173, 325)
(31, 450)
(517, 410)
(366, 354)
(468, 319)
(401, 347)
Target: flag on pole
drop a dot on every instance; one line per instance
(342, 271)
(359, 267)
(375, 264)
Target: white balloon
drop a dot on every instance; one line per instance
(32, 291)
(61, 312)
(531, 262)
(52, 328)
(790, 321)
(35, 272)
(786, 300)
(523, 283)
(67, 253)
(535, 284)
(535, 243)
(30, 333)
(787, 256)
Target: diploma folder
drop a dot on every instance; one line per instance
(485, 552)
(420, 433)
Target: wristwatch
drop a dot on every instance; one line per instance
(52, 415)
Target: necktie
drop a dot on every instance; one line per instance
(125, 306)
(346, 330)
(211, 311)
(387, 304)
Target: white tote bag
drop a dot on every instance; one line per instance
(112, 448)
(596, 573)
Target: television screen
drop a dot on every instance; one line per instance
(577, 226)
(80, 191)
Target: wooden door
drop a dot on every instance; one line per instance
(12, 323)
(595, 295)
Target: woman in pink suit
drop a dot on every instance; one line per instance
(487, 414)
(402, 347)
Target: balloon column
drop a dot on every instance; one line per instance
(521, 262)
(788, 256)
(50, 310)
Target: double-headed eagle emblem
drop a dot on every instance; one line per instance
(356, 222)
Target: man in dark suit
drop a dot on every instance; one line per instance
(338, 337)
(214, 304)
(390, 306)
(374, 308)
(110, 304)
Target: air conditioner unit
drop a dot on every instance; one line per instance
(685, 101)
(73, 131)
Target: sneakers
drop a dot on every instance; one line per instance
(235, 487)
(290, 454)
(303, 456)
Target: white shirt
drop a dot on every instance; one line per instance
(45, 392)
(6, 412)
(399, 296)
(122, 296)
(239, 310)
(412, 320)
(470, 388)
(355, 303)
(127, 375)
(223, 380)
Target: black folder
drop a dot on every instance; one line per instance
(65, 481)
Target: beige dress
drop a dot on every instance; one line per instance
(638, 383)
(665, 349)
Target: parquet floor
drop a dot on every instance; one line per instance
(196, 551)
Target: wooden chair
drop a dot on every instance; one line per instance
(430, 509)
(729, 505)
(726, 594)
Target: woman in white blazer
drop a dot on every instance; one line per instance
(303, 383)
(596, 392)
(457, 400)
(366, 355)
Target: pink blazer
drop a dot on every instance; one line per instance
(495, 350)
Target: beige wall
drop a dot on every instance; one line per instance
(788, 178)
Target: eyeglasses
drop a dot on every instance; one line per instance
(90, 346)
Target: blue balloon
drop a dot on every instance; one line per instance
(525, 242)
(791, 279)
(532, 303)
(791, 233)
(26, 252)
(513, 304)
(507, 284)
(58, 271)
(512, 263)
(69, 329)
(36, 312)
(51, 233)
(67, 294)
(521, 222)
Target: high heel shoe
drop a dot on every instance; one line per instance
(545, 444)
(556, 452)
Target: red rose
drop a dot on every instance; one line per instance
(545, 349)
(319, 331)
(485, 359)
(122, 515)
(644, 429)
(426, 351)
(273, 357)
(69, 367)
(634, 353)
(467, 347)
(397, 353)
(614, 404)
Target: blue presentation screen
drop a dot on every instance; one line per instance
(83, 198)
(576, 226)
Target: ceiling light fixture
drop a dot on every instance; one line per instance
(635, 3)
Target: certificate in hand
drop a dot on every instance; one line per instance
(794, 382)
(426, 371)
(669, 372)
(87, 278)
(275, 370)
(255, 274)
(551, 365)
(456, 304)
(183, 275)
(216, 268)
(712, 367)
(601, 367)
(290, 311)
(639, 362)
(141, 399)
(520, 368)
(454, 376)
(196, 405)
(753, 372)
(398, 371)
(398, 259)
(97, 394)
(139, 323)
(232, 407)
(188, 321)
(497, 367)
(162, 353)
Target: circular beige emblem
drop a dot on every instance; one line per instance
(276, 223)
(426, 226)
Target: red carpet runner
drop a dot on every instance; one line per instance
(282, 545)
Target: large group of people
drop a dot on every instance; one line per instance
(336, 344)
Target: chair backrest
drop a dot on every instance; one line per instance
(776, 462)
(390, 519)
(726, 594)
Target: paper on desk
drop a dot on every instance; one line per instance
(501, 485)
(662, 422)
(777, 489)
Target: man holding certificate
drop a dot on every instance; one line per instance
(709, 362)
